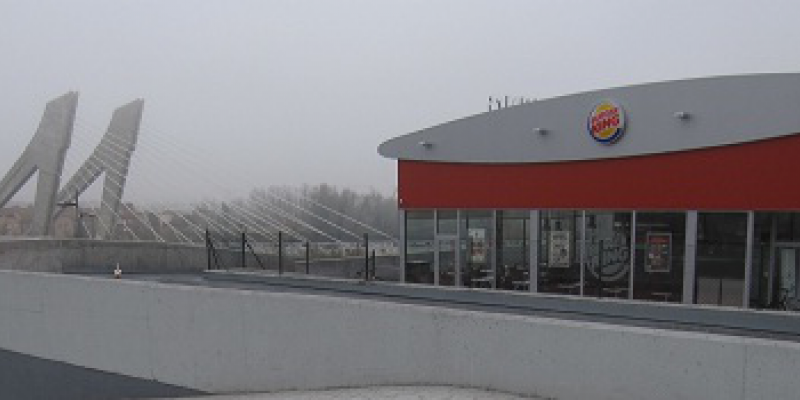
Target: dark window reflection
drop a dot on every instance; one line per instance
(608, 254)
(477, 241)
(559, 252)
(512, 256)
(660, 247)
(721, 242)
(419, 246)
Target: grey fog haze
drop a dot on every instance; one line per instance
(245, 94)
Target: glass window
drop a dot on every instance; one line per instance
(419, 246)
(559, 252)
(478, 231)
(721, 242)
(608, 254)
(774, 234)
(762, 239)
(788, 229)
(660, 247)
(447, 222)
(446, 228)
(512, 251)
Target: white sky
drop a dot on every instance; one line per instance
(291, 92)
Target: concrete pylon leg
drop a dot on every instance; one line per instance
(45, 153)
(112, 157)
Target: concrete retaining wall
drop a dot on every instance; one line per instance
(222, 340)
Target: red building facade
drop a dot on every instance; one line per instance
(675, 191)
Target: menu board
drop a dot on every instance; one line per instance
(559, 254)
(478, 249)
(658, 252)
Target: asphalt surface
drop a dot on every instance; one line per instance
(480, 301)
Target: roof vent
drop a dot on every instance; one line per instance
(682, 115)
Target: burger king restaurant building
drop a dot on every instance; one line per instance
(683, 191)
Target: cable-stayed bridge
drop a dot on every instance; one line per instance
(155, 334)
(70, 154)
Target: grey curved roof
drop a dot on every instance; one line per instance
(721, 111)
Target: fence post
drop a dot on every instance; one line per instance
(600, 261)
(280, 253)
(208, 250)
(308, 256)
(244, 253)
(373, 264)
(366, 257)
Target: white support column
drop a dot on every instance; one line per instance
(494, 248)
(690, 257)
(402, 245)
(773, 237)
(436, 246)
(748, 262)
(582, 245)
(632, 254)
(459, 261)
(533, 251)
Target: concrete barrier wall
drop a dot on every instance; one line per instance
(222, 340)
(60, 255)
(91, 256)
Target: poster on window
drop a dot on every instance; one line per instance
(477, 237)
(559, 249)
(658, 253)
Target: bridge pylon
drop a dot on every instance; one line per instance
(44, 154)
(112, 156)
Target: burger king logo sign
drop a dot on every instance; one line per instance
(606, 123)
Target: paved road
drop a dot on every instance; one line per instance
(626, 313)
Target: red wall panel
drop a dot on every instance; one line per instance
(762, 175)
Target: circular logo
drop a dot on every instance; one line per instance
(606, 123)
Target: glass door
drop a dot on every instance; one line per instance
(445, 266)
(788, 273)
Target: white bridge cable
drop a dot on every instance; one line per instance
(241, 222)
(144, 222)
(343, 215)
(284, 214)
(103, 225)
(183, 150)
(196, 230)
(235, 207)
(268, 220)
(272, 221)
(194, 227)
(241, 209)
(355, 235)
(210, 221)
(274, 208)
(180, 235)
(87, 183)
(281, 227)
(92, 164)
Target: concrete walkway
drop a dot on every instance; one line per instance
(378, 393)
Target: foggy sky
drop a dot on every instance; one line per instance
(259, 93)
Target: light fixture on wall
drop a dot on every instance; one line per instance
(540, 131)
(682, 115)
(426, 145)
